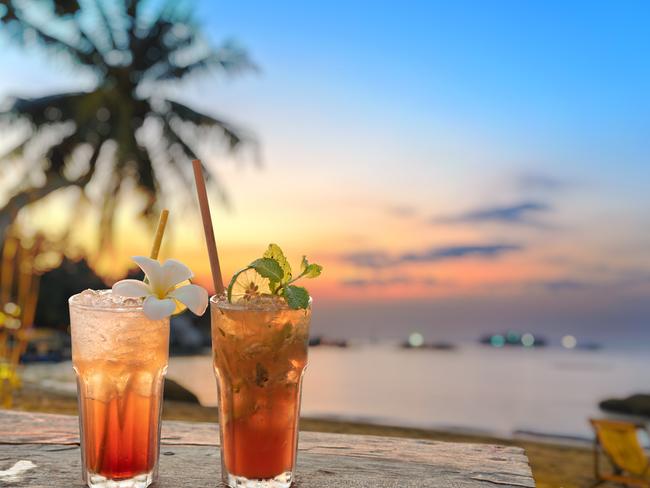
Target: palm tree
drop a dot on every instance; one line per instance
(124, 128)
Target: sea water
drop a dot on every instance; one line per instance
(550, 391)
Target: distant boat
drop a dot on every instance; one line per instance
(513, 339)
(437, 346)
(323, 341)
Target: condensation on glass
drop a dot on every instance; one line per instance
(259, 360)
(120, 359)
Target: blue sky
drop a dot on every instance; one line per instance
(545, 85)
(515, 66)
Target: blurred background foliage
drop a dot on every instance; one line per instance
(124, 130)
(123, 133)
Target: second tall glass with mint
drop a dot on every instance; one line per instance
(260, 354)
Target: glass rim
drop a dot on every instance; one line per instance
(226, 305)
(103, 308)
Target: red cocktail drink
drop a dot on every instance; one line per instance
(120, 358)
(260, 353)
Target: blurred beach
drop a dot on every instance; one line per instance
(471, 389)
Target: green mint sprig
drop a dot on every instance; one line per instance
(275, 267)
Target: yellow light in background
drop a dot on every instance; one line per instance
(416, 339)
(569, 342)
(528, 340)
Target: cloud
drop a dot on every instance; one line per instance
(402, 210)
(519, 213)
(564, 285)
(623, 280)
(385, 282)
(539, 181)
(371, 259)
(368, 259)
(453, 252)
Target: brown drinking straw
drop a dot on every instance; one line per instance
(207, 227)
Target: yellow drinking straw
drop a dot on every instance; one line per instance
(155, 248)
(162, 222)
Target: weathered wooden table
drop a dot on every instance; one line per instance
(38, 450)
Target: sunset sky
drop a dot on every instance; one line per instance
(464, 157)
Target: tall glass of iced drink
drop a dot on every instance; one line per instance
(260, 353)
(260, 335)
(120, 359)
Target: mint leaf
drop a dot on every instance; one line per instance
(296, 296)
(313, 270)
(274, 286)
(309, 270)
(268, 268)
(274, 252)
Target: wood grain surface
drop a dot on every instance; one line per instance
(40, 450)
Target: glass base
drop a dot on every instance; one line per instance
(281, 481)
(139, 481)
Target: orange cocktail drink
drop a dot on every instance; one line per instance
(260, 353)
(120, 358)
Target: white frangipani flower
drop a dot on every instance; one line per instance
(161, 290)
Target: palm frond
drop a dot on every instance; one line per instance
(176, 11)
(132, 56)
(55, 181)
(229, 58)
(8, 12)
(131, 7)
(66, 7)
(58, 154)
(234, 137)
(84, 179)
(181, 161)
(21, 29)
(106, 24)
(136, 156)
(173, 154)
(46, 110)
(17, 149)
(173, 138)
(146, 50)
(107, 211)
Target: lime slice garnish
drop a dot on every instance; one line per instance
(271, 276)
(247, 284)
